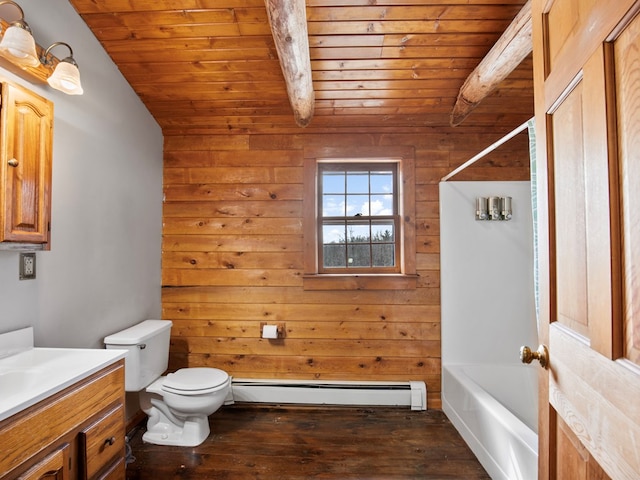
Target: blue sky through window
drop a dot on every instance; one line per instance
(356, 193)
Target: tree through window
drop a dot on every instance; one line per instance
(358, 218)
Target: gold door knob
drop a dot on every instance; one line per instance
(13, 162)
(542, 355)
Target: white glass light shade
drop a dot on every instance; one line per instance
(66, 78)
(19, 46)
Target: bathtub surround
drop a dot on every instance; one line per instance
(488, 312)
(487, 297)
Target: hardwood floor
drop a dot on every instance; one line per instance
(300, 442)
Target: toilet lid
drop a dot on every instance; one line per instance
(191, 380)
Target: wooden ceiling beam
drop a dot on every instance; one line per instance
(288, 21)
(511, 48)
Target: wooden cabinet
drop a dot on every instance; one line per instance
(26, 134)
(77, 434)
(100, 441)
(55, 466)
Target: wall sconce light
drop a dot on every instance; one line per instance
(66, 75)
(20, 54)
(493, 208)
(18, 44)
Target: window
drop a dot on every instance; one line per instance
(359, 219)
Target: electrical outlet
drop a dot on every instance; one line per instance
(27, 266)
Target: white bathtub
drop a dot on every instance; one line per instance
(494, 407)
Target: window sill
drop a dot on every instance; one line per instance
(360, 282)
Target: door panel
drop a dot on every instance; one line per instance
(601, 200)
(595, 397)
(565, 19)
(588, 117)
(627, 65)
(569, 189)
(577, 463)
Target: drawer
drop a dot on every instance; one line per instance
(117, 471)
(102, 442)
(54, 466)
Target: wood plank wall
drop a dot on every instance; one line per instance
(232, 258)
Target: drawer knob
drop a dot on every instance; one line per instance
(13, 162)
(110, 441)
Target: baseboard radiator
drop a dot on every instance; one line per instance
(412, 393)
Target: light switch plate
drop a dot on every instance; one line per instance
(27, 266)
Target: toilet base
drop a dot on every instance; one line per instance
(194, 431)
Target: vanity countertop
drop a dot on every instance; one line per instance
(31, 374)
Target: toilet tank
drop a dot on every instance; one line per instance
(147, 345)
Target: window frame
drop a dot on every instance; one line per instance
(362, 165)
(405, 276)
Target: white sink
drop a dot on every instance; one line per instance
(29, 374)
(14, 380)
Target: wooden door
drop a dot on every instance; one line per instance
(25, 166)
(587, 89)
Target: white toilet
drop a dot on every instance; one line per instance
(179, 404)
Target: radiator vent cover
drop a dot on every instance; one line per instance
(412, 393)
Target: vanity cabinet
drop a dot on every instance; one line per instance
(77, 434)
(26, 135)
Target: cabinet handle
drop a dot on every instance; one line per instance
(50, 473)
(13, 162)
(110, 441)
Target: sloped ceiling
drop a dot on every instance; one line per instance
(211, 66)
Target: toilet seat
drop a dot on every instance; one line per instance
(195, 381)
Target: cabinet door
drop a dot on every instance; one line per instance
(102, 442)
(25, 166)
(53, 467)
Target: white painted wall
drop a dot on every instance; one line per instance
(103, 271)
(486, 268)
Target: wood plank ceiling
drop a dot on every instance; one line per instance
(211, 66)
